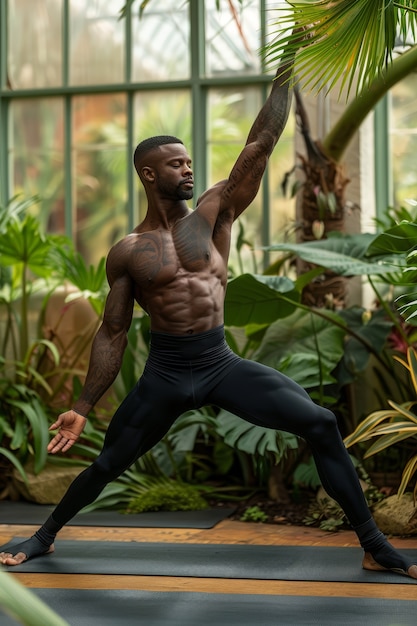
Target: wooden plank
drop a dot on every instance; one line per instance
(227, 531)
(218, 585)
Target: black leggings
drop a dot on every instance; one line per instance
(187, 372)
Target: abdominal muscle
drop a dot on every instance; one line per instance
(188, 304)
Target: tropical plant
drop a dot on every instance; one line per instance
(394, 425)
(387, 261)
(33, 371)
(346, 41)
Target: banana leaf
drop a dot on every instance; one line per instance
(345, 256)
(259, 299)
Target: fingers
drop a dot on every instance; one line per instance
(60, 444)
(70, 425)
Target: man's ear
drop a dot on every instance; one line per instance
(148, 174)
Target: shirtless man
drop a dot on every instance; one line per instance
(174, 265)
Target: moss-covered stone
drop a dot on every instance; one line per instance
(49, 486)
(397, 515)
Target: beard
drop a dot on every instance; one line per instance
(175, 192)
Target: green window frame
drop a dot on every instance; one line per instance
(198, 84)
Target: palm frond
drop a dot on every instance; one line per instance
(345, 41)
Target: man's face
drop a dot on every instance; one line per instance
(173, 173)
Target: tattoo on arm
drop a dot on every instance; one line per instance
(105, 363)
(108, 346)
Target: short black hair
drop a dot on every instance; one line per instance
(149, 144)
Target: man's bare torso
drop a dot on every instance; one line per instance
(179, 274)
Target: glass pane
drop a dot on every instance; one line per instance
(100, 170)
(96, 43)
(233, 37)
(404, 141)
(162, 113)
(281, 206)
(37, 156)
(161, 42)
(35, 43)
(231, 114)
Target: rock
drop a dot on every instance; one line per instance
(49, 486)
(397, 515)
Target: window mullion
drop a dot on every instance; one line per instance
(70, 217)
(199, 107)
(383, 169)
(4, 110)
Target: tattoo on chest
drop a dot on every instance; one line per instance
(150, 256)
(192, 240)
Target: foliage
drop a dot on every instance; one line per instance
(391, 426)
(254, 514)
(23, 427)
(306, 475)
(327, 513)
(401, 240)
(356, 38)
(23, 605)
(385, 260)
(168, 496)
(32, 266)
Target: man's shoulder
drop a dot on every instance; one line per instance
(212, 192)
(119, 253)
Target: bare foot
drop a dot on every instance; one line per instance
(369, 563)
(7, 558)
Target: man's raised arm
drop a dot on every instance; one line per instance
(246, 175)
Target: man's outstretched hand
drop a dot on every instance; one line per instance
(70, 425)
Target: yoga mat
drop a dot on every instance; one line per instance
(312, 563)
(28, 513)
(85, 607)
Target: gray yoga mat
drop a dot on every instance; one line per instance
(85, 607)
(28, 513)
(312, 563)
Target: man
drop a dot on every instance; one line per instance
(174, 265)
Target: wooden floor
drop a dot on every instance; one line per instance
(227, 531)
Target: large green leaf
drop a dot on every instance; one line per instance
(15, 461)
(241, 435)
(23, 243)
(304, 346)
(259, 299)
(343, 255)
(399, 239)
(38, 421)
(368, 337)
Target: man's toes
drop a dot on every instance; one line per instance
(9, 559)
(412, 571)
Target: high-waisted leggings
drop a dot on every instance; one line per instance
(187, 372)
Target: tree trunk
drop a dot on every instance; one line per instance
(321, 209)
